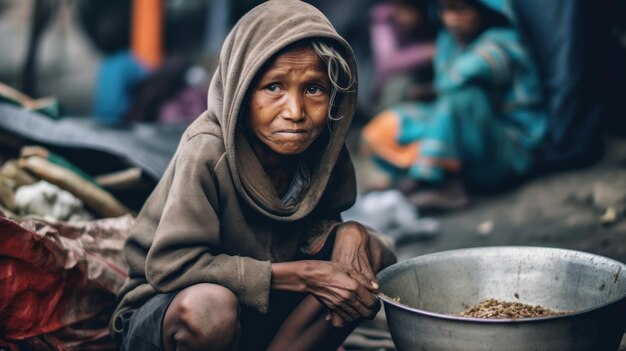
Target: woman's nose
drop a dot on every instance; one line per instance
(294, 107)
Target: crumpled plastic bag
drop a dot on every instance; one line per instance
(390, 213)
(50, 201)
(58, 281)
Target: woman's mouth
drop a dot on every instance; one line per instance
(292, 131)
(292, 135)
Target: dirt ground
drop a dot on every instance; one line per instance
(570, 210)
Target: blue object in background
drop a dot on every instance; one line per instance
(117, 76)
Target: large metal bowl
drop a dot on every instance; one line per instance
(434, 288)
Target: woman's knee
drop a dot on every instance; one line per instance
(202, 316)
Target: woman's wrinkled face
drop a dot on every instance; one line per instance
(289, 103)
(461, 19)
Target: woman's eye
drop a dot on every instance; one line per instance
(313, 90)
(274, 88)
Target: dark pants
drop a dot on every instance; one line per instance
(143, 327)
(581, 66)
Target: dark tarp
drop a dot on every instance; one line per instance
(148, 146)
(94, 148)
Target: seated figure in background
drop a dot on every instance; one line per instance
(485, 122)
(403, 47)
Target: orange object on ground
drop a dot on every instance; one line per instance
(381, 135)
(147, 32)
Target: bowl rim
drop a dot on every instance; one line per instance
(390, 301)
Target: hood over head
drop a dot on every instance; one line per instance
(255, 39)
(496, 5)
(501, 7)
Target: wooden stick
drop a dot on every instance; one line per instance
(99, 200)
(11, 170)
(120, 180)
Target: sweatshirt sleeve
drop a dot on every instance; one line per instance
(185, 247)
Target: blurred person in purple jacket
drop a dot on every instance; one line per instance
(403, 47)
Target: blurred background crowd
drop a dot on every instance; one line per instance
(456, 98)
(125, 61)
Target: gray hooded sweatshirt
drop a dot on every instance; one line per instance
(215, 217)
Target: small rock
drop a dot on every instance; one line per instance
(608, 195)
(584, 198)
(609, 216)
(485, 228)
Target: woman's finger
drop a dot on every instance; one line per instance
(365, 269)
(350, 309)
(368, 272)
(368, 303)
(337, 321)
(335, 307)
(359, 303)
(369, 283)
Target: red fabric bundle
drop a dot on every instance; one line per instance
(58, 280)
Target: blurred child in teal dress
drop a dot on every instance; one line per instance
(486, 119)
